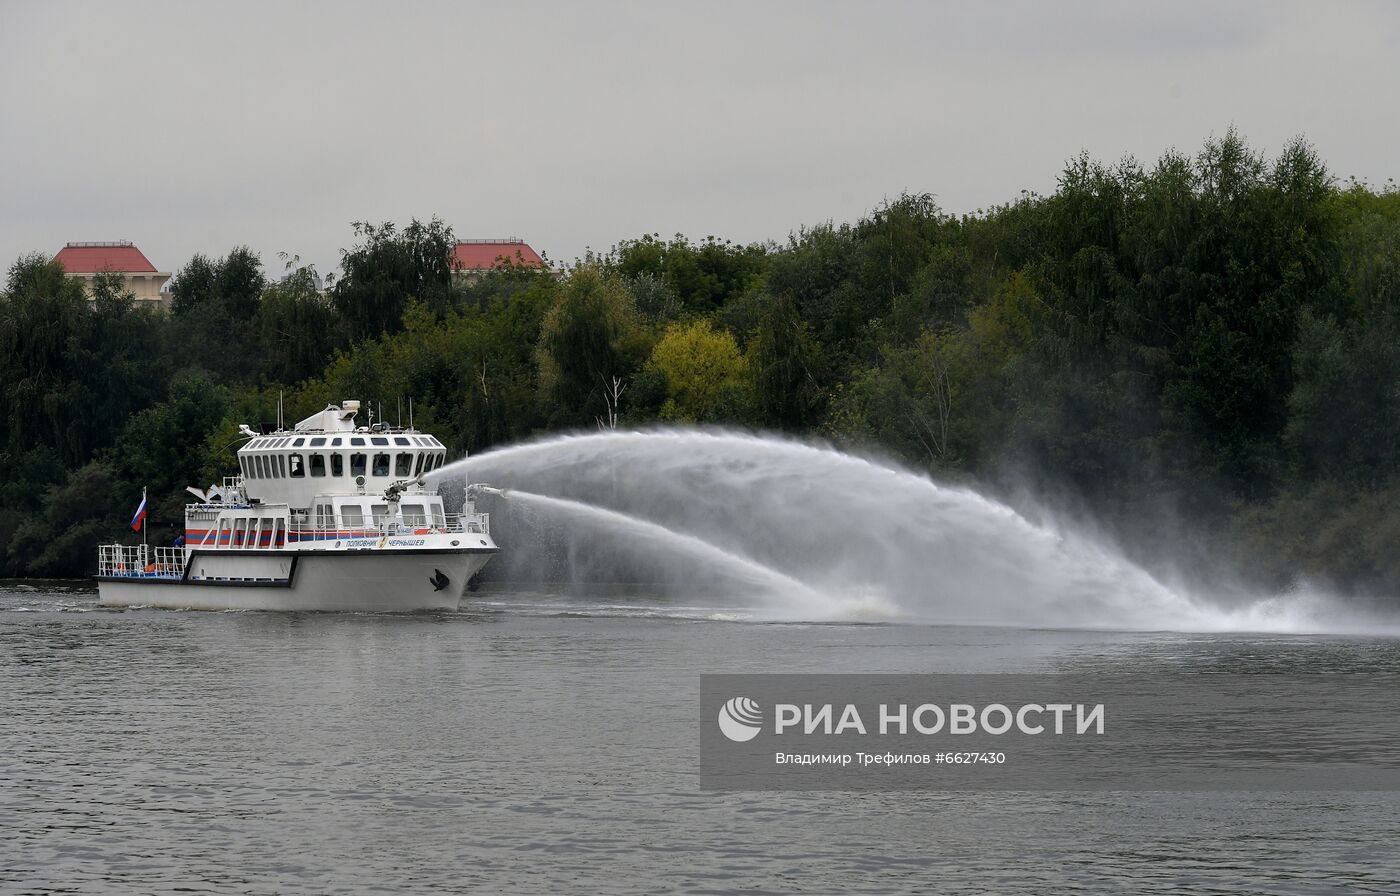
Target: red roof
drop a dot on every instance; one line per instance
(92, 258)
(483, 255)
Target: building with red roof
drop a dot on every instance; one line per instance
(86, 260)
(472, 258)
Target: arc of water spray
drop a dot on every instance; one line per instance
(608, 443)
(781, 585)
(1015, 565)
(1019, 571)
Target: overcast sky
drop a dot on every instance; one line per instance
(195, 127)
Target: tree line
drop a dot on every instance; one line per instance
(1209, 343)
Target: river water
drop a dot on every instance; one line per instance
(547, 742)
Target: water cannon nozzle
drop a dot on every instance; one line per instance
(478, 488)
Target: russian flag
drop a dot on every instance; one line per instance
(140, 516)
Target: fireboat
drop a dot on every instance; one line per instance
(328, 515)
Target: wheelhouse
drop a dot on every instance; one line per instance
(363, 463)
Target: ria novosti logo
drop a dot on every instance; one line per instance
(740, 719)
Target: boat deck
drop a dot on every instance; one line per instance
(140, 562)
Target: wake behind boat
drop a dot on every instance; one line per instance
(326, 516)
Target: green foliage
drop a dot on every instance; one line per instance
(784, 358)
(702, 275)
(656, 301)
(194, 284)
(704, 372)
(945, 398)
(471, 377)
(591, 335)
(234, 284)
(299, 328)
(72, 371)
(215, 306)
(61, 539)
(820, 273)
(1170, 305)
(1344, 410)
(895, 243)
(387, 269)
(161, 448)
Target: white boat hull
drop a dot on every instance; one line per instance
(368, 581)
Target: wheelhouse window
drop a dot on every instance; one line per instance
(379, 440)
(400, 440)
(403, 464)
(381, 465)
(318, 464)
(381, 513)
(337, 464)
(357, 464)
(281, 466)
(294, 464)
(418, 464)
(354, 441)
(352, 516)
(317, 443)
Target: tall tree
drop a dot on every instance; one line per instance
(387, 268)
(784, 357)
(590, 336)
(704, 372)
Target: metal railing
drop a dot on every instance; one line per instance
(405, 524)
(140, 561)
(304, 528)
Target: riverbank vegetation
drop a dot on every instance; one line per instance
(1206, 344)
